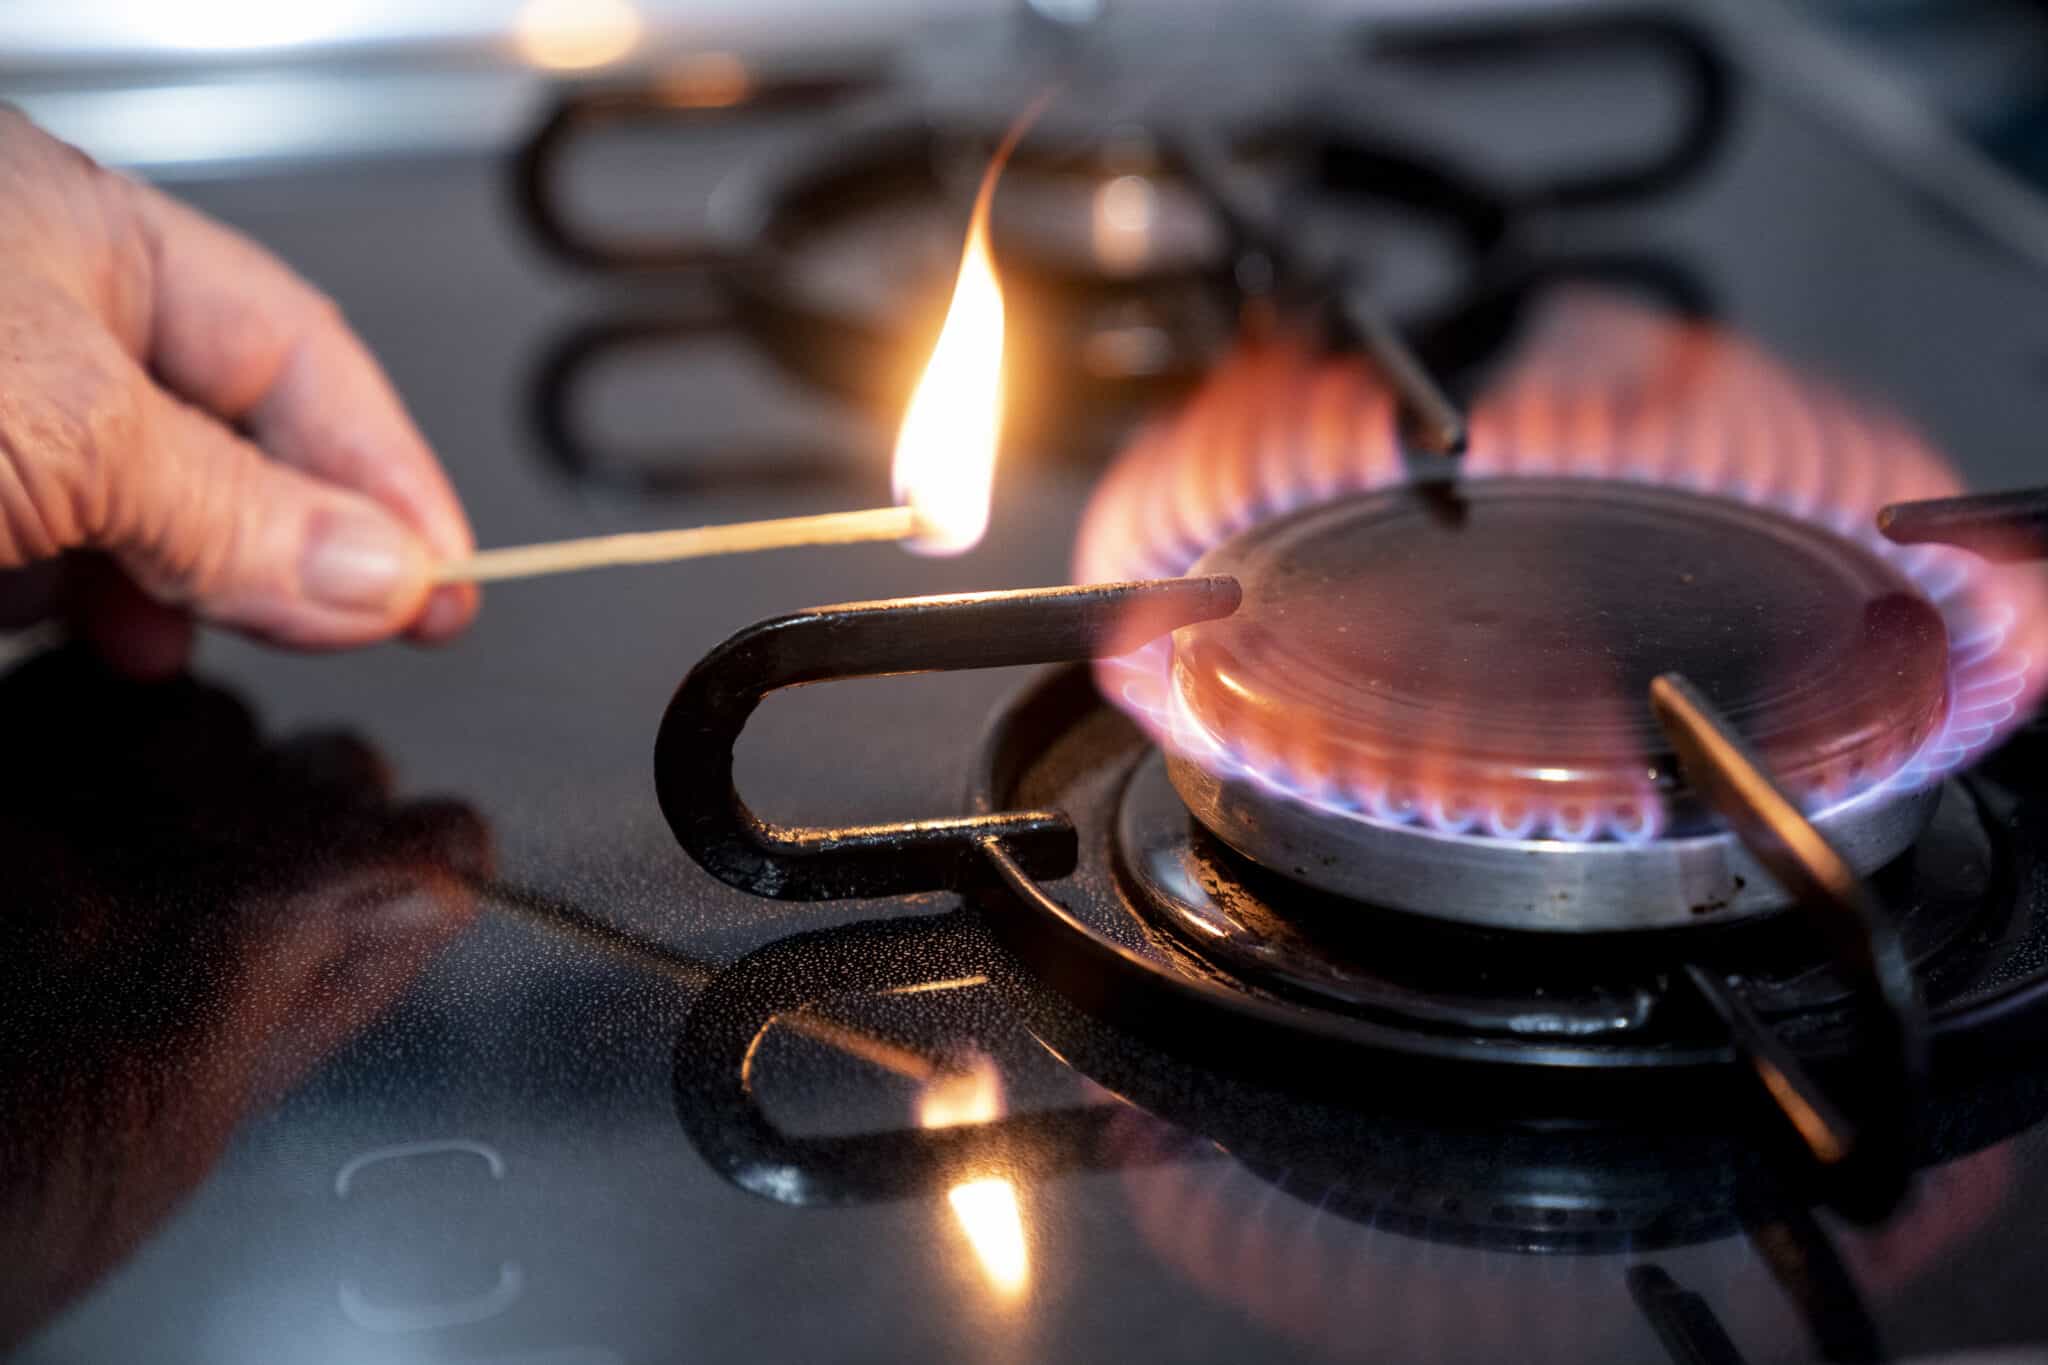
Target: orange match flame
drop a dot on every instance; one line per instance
(945, 463)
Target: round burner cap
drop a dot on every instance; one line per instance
(1476, 658)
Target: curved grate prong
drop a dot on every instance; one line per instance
(1872, 1146)
(2005, 527)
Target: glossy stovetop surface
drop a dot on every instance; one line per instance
(347, 992)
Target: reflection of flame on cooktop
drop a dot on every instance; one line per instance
(1639, 496)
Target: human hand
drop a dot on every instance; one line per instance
(189, 429)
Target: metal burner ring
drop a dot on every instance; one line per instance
(1537, 884)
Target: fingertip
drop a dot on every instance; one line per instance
(449, 610)
(249, 543)
(356, 576)
(360, 560)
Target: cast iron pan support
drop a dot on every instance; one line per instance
(537, 174)
(2003, 527)
(1868, 1149)
(1685, 1325)
(693, 754)
(1697, 73)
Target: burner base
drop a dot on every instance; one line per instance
(1439, 973)
(1531, 884)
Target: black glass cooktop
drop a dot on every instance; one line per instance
(363, 1008)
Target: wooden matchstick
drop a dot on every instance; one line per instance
(696, 542)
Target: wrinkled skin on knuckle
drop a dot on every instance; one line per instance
(72, 418)
(75, 277)
(183, 526)
(209, 566)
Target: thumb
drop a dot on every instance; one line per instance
(205, 520)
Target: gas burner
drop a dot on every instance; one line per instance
(1630, 406)
(1482, 652)
(1433, 699)
(1388, 722)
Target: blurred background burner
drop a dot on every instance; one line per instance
(1467, 665)
(1145, 216)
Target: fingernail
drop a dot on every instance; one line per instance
(359, 561)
